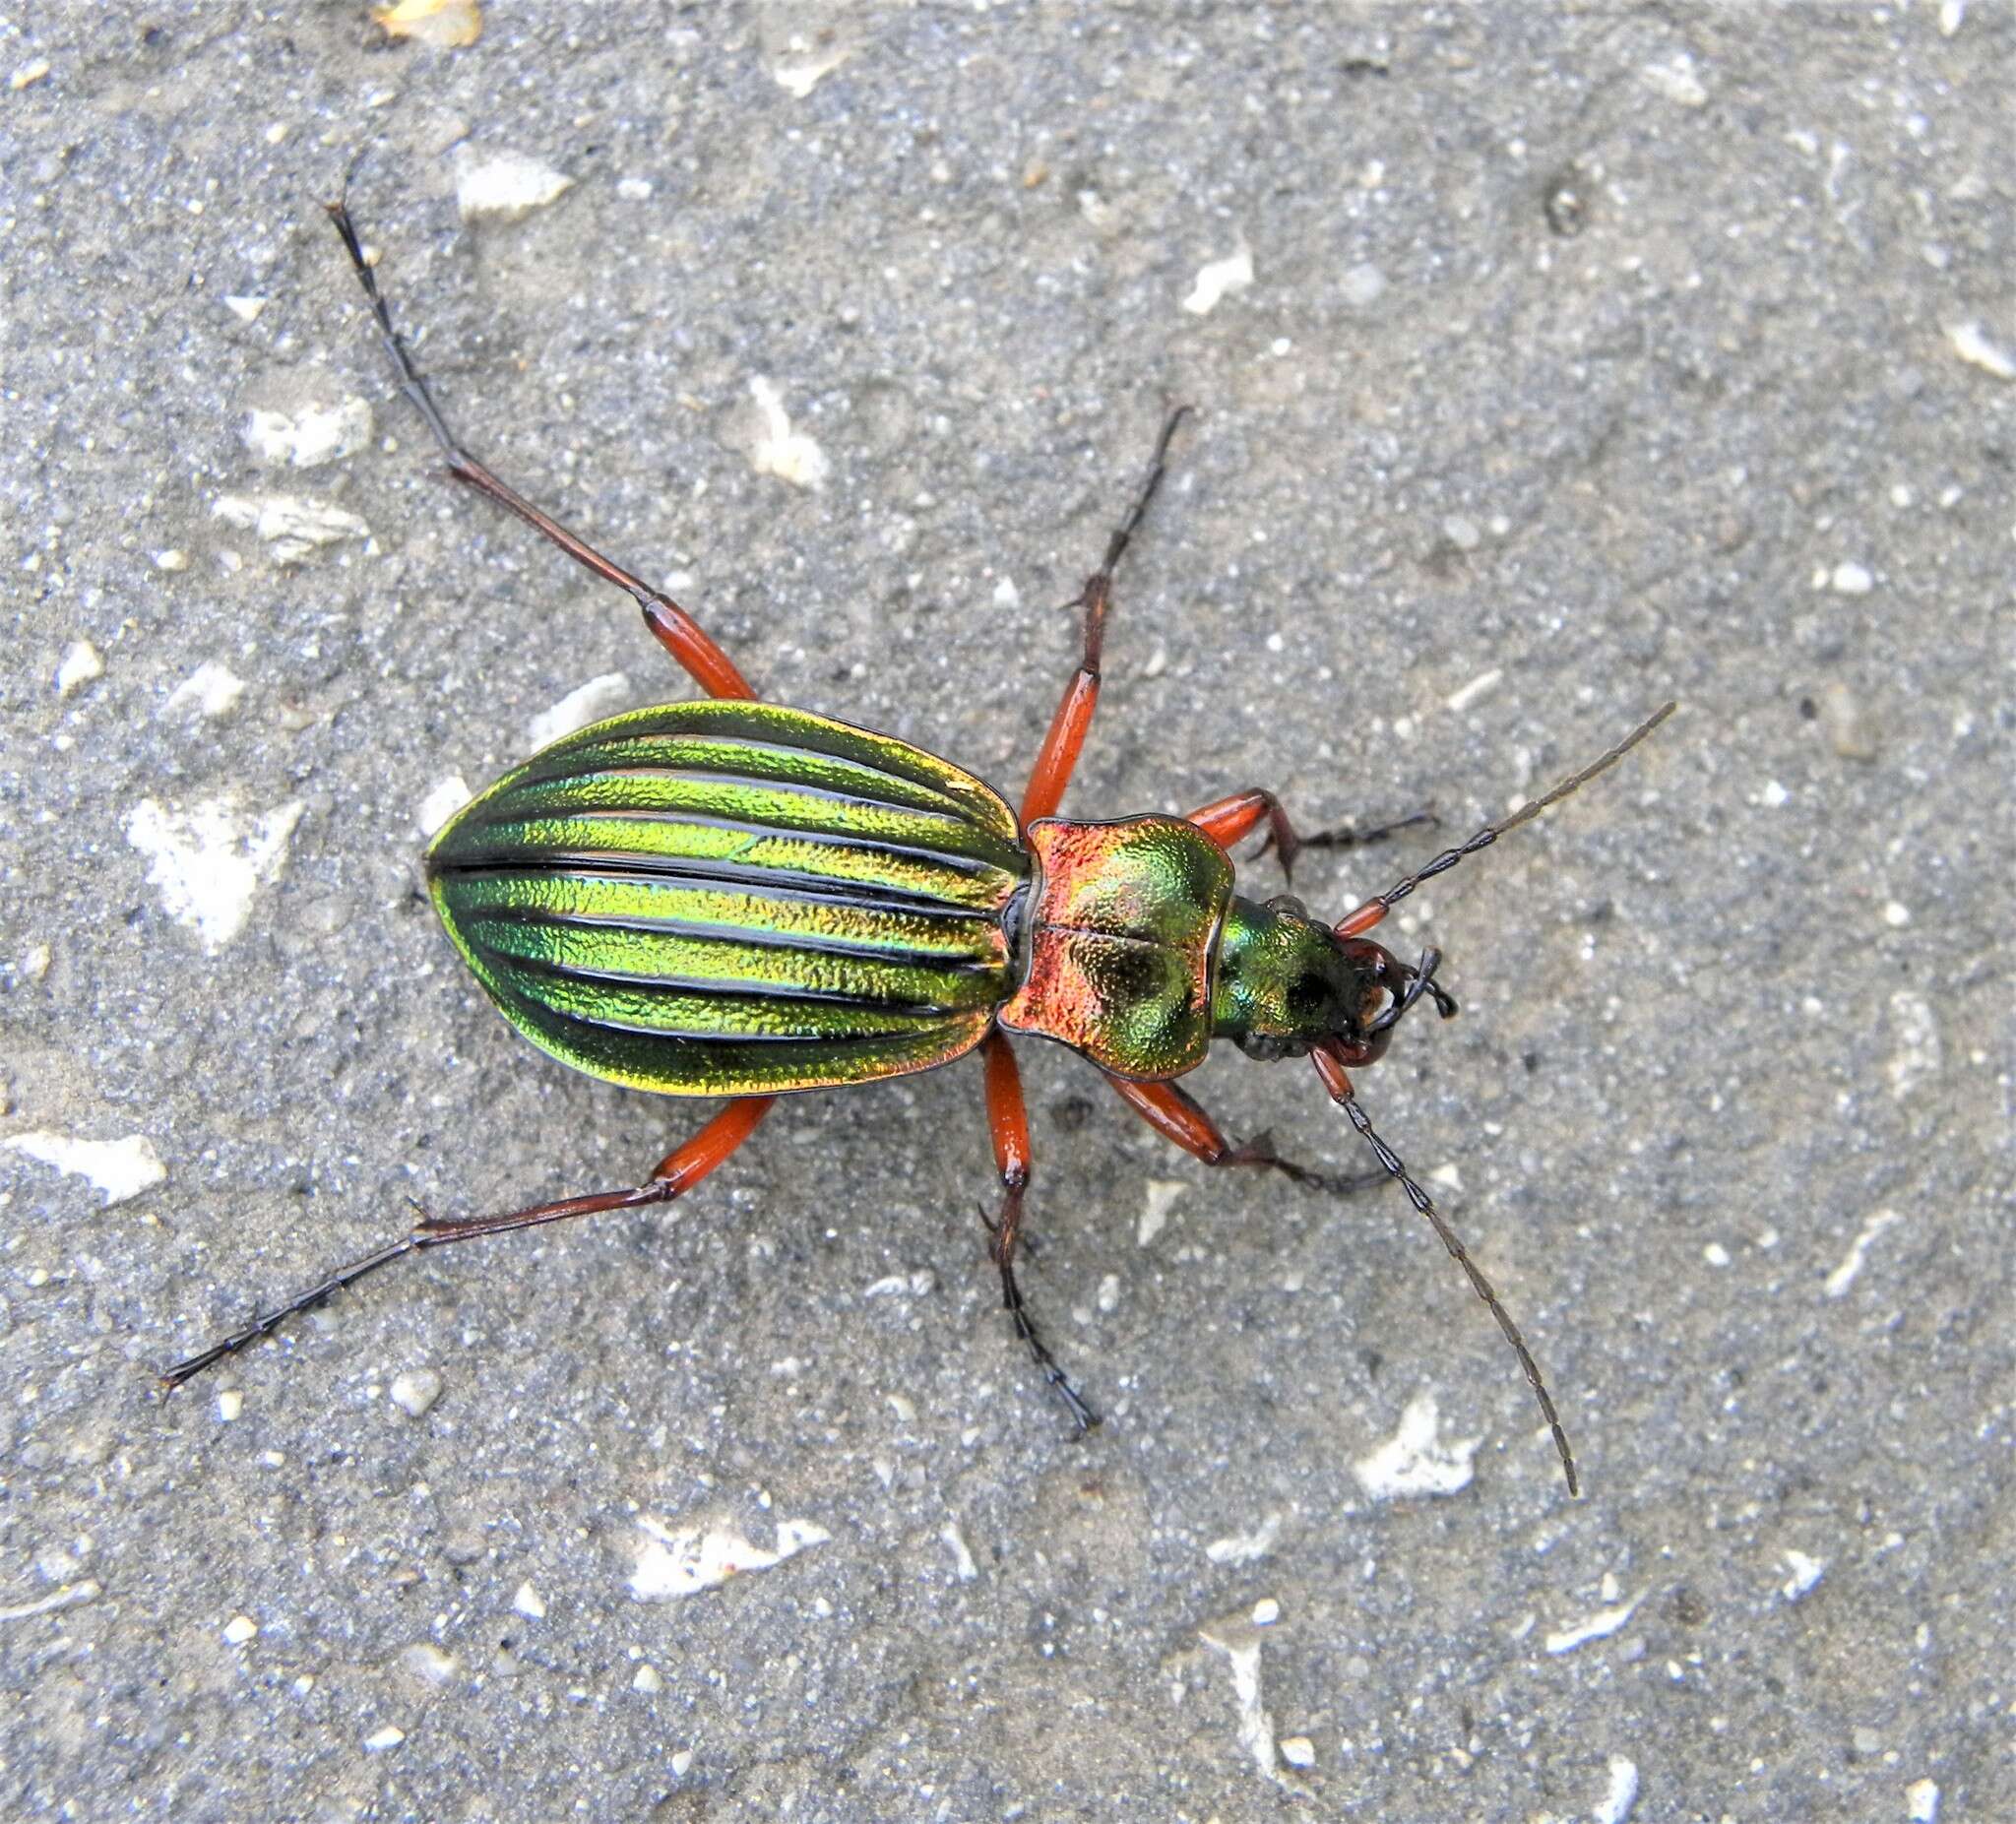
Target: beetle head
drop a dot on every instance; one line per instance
(1286, 982)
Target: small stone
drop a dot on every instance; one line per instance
(119, 1169)
(29, 75)
(291, 527)
(1851, 579)
(211, 690)
(414, 1391)
(1481, 686)
(1620, 1797)
(1162, 1193)
(1362, 285)
(600, 696)
(239, 1629)
(310, 437)
(1847, 722)
(1806, 1574)
(1675, 80)
(379, 1740)
(428, 1662)
(441, 803)
(807, 69)
(646, 1681)
(505, 186)
(171, 561)
(1297, 1750)
(229, 1404)
(445, 25)
(79, 665)
(529, 1603)
(1418, 1459)
(778, 449)
(1566, 205)
(1971, 343)
(1218, 280)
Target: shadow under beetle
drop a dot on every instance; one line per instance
(732, 897)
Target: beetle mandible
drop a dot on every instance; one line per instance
(729, 897)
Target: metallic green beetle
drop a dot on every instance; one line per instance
(728, 898)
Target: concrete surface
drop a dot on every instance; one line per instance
(1590, 357)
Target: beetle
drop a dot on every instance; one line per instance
(730, 898)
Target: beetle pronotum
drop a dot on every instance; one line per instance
(730, 898)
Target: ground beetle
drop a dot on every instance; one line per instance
(732, 897)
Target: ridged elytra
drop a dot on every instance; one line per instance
(732, 897)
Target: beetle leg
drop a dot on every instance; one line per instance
(1008, 1127)
(1058, 754)
(678, 1173)
(1175, 1114)
(675, 630)
(1230, 820)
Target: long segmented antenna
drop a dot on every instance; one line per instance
(1330, 1067)
(1376, 907)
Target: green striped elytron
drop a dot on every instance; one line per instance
(732, 899)
(727, 898)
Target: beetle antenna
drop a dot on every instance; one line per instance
(1331, 1069)
(1375, 908)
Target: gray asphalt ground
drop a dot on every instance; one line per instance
(1590, 357)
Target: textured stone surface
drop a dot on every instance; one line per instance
(1584, 360)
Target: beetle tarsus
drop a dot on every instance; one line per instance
(1058, 755)
(673, 628)
(1230, 820)
(674, 1174)
(266, 1324)
(1259, 1150)
(1017, 1307)
(1005, 1239)
(1008, 1128)
(1290, 843)
(1157, 468)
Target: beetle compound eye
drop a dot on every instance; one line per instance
(1306, 996)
